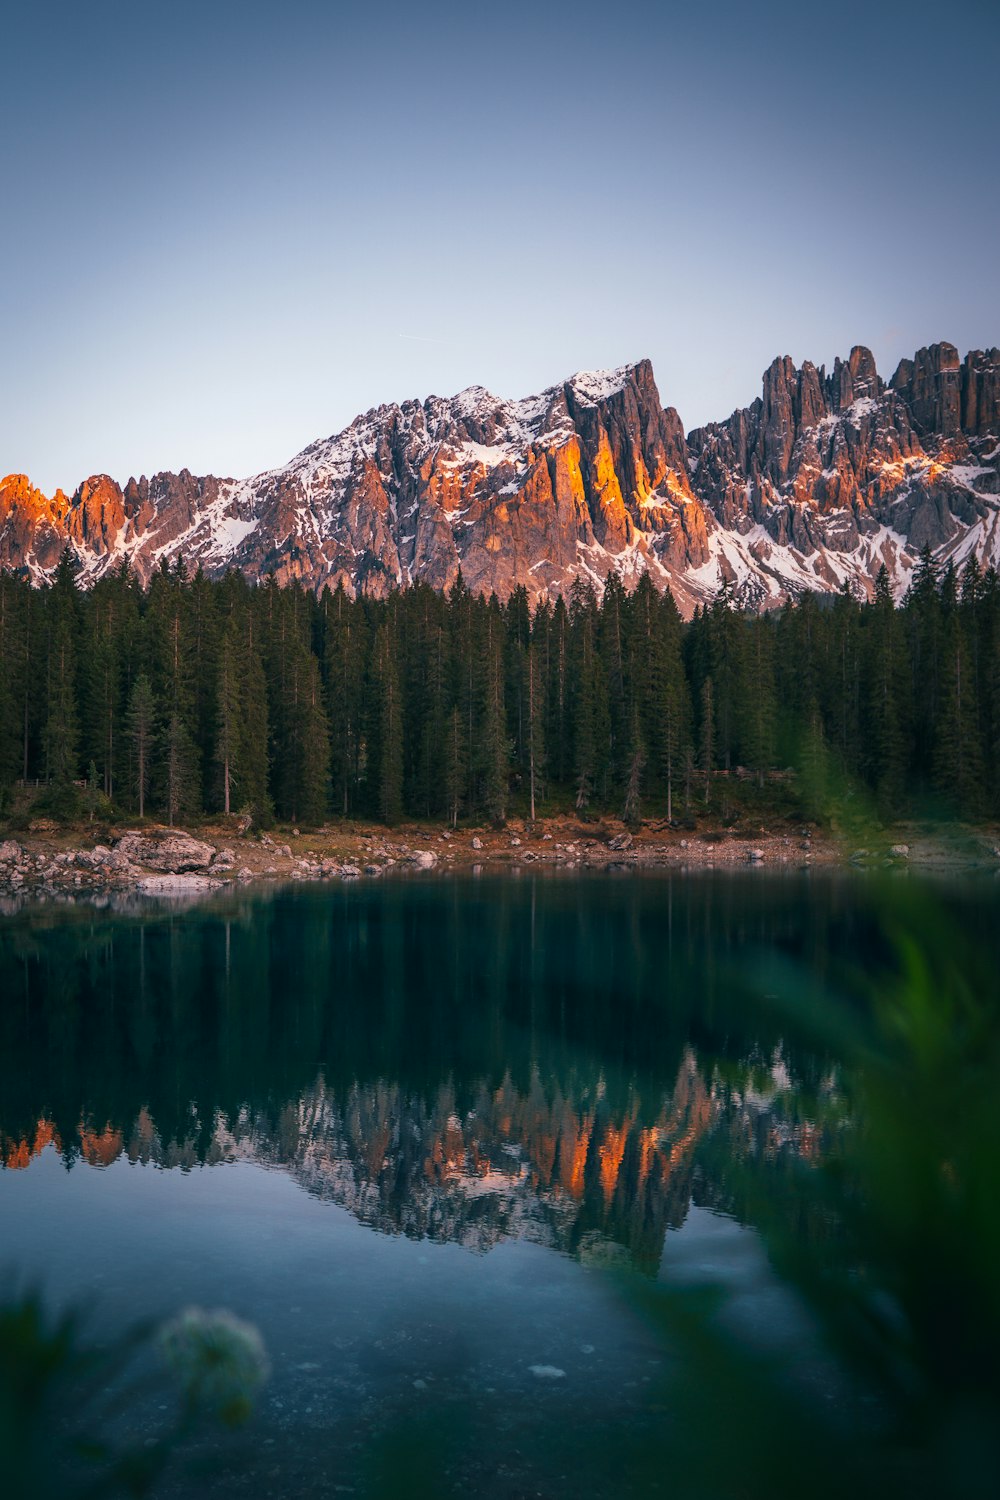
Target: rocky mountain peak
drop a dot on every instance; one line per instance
(821, 480)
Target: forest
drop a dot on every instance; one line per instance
(193, 696)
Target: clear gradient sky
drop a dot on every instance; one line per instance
(229, 227)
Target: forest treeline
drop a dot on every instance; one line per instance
(196, 696)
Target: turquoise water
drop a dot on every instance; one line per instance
(426, 1134)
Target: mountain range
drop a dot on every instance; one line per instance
(822, 480)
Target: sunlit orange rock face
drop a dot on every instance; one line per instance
(32, 527)
(823, 479)
(96, 516)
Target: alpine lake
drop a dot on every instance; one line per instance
(527, 1182)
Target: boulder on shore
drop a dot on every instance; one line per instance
(168, 850)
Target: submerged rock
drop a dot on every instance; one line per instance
(175, 885)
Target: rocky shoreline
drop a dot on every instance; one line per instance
(49, 863)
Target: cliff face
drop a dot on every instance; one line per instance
(820, 481)
(837, 473)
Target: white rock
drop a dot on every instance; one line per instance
(424, 859)
(547, 1372)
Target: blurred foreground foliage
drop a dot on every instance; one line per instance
(70, 1407)
(903, 1282)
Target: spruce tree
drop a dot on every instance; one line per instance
(636, 764)
(141, 728)
(535, 700)
(455, 765)
(759, 709)
(494, 746)
(16, 600)
(385, 681)
(62, 722)
(957, 760)
(883, 671)
(179, 779)
(229, 707)
(672, 697)
(707, 733)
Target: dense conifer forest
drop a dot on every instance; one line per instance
(193, 696)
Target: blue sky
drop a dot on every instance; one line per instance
(228, 228)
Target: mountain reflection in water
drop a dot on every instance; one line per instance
(566, 1062)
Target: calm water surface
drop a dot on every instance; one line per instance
(406, 1128)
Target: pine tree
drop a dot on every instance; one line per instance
(169, 662)
(141, 733)
(957, 760)
(535, 696)
(844, 673)
(229, 708)
(252, 769)
(557, 728)
(611, 637)
(345, 652)
(922, 620)
(707, 738)
(590, 717)
(180, 782)
(883, 671)
(385, 679)
(16, 601)
(455, 765)
(636, 764)
(62, 722)
(672, 697)
(758, 711)
(726, 663)
(494, 744)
